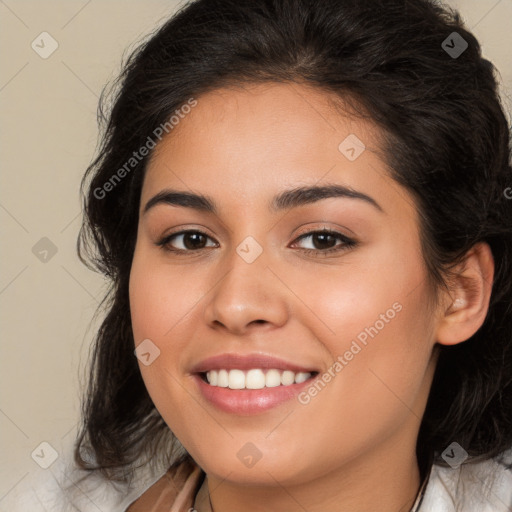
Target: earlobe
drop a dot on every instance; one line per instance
(465, 310)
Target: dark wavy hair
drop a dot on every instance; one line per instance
(446, 140)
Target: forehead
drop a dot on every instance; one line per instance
(265, 137)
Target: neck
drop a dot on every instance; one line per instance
(386, 479)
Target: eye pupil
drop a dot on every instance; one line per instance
(325, 240)
(196, 240)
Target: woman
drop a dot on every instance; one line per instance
(303, 211)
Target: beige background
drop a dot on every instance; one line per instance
(48, 138)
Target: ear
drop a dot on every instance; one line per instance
(465, 307)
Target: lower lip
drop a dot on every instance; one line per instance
(249, 401)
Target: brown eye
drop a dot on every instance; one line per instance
(325, 241)
(194, 240)
(185, 241)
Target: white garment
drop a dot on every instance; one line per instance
(482, 487)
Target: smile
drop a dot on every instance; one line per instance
(247, 384)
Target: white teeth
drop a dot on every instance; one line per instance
(255, 378)
(301, 377)
(223, 379)
(287, 378)
(212, 377)
(236, 379)
(272, 379)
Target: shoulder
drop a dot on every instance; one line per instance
(65, 488)
(473, 487)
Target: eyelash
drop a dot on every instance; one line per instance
(347, 244)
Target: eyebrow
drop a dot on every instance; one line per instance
(293, 198)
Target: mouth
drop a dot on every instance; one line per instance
(250, 384)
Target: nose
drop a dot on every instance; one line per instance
(247, 296)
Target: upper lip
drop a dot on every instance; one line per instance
(247, 362)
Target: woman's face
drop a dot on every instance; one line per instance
(255, 286)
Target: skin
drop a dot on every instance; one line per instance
(241, 147)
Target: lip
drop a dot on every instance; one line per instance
(246, 402)
(247, 362)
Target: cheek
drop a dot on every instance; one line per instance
(375, 294)
(379, 379)
(160, 301)
(380, 332)
(156, 314)
(160, 298)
